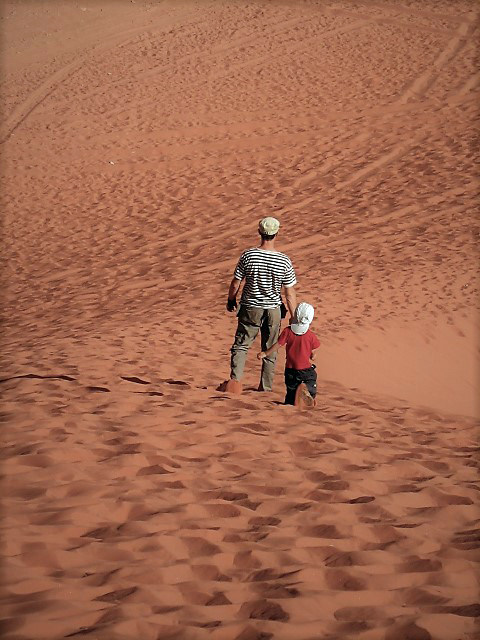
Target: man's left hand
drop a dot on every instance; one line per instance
(231, 304)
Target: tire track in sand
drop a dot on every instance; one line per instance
(304, 44)
(404, 218)
(419, 87)
(21, 112)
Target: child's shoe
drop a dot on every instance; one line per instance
(303, 399)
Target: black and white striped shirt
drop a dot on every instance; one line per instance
(265, 273)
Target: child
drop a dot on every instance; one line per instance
(300, 343)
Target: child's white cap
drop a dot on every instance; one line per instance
(303, 317)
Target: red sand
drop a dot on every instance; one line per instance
(141, 143)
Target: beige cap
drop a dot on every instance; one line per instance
(269, 226)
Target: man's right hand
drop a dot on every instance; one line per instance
(231, 304)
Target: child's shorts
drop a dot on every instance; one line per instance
(293, 377)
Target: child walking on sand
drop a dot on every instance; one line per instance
(300, 344)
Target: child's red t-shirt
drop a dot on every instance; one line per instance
(298, 348)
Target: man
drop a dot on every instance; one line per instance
(265, 272)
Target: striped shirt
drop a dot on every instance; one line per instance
(265, 273)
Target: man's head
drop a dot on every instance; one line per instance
(268, 228)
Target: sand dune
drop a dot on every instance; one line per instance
(141, 143)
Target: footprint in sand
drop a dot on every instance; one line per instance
(408, 631)
(321, 531)
(340, 580)
(199, 547)
(116, 596)
(134, 379)
(222, 510)
(264, 610)
(154, 469)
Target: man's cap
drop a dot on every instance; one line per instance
(269, 226)
(302, 319)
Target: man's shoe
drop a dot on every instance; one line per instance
(233, 386)
(260, 388)
(303, 399)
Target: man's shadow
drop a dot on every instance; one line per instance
(256, 390)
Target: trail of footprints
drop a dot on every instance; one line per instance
(207, 536)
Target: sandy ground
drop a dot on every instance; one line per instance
(140, 144)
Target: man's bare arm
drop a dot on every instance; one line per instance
(291, 299)
(232, 294)
(234, 287)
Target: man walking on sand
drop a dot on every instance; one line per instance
(265, 273)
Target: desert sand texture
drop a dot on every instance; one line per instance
(141, 142)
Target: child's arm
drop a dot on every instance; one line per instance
(313, 354)
(267, 352)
